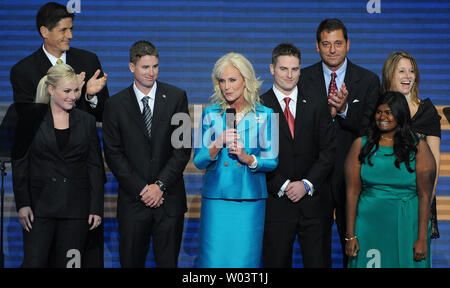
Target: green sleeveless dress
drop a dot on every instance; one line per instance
(387, 215)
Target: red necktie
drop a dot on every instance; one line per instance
(289, 117)
(332, 89)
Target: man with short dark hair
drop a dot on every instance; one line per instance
(137, 134)
(298, 187)
(54, 23)
(352, 92)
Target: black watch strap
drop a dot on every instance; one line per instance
(161, 185)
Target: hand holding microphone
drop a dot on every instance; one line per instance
(230, 136)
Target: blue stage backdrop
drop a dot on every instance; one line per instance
(192, 35)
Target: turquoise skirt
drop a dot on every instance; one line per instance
(231, 233)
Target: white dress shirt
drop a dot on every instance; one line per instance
(292, 104)
(140, 95)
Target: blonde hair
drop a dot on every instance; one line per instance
(389, 67)
(54, 75)
(252, 84)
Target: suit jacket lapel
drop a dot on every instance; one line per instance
(161, 100)
(76, 133)
(275, 105)
(48, 132)
(43, 62)
(132, 108)
(299, 113)
(350, 80)
(76, 65)
(249, 121)
(319, 80)
(69, 60)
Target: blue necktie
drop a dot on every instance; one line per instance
(147, 115)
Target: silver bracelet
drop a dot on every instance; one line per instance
(351, 238)
(254, 163)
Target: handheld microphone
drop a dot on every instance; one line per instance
(230, 118)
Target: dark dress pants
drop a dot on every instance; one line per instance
(55, 243)
(94, 250)
(279, 240)
(166, 232)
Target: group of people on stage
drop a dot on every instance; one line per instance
(326, 143)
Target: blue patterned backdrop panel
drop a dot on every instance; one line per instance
(192, 35)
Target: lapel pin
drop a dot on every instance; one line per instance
(304, 101)
(164, 96)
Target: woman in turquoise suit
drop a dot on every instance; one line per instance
(236, 157)
(390, 176)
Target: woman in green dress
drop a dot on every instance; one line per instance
(390, 176)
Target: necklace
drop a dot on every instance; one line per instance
(390, 139)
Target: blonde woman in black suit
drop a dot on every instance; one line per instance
(58, 172)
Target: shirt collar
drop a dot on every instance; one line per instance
(280, 96)
(52, 58)
(140, 95)
(340, 73)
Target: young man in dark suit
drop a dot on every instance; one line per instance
(298, 189)
(352, 92)
(54, 24)
(137, 134)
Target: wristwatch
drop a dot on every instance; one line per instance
(161, 185)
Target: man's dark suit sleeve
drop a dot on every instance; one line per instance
(358, 116)
(275, 181)
(102, 95)
(115, 156)
(23, 89)
(325, 140)
(175, 165)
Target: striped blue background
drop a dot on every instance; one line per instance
(192, 35)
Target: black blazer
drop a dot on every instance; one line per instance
(26, 74)
(136, 160)
(58, 183)
(310, 155)
(363, 89)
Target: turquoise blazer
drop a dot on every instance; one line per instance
(225, 177)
